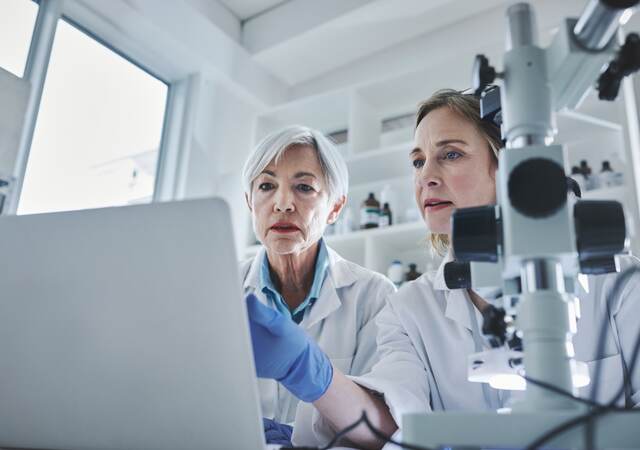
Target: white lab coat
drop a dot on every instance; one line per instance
(426, 332)
(341, 321)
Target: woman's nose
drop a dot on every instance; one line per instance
(284, 201)
(430, 176)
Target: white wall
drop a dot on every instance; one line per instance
(222, 137)
(14, 94)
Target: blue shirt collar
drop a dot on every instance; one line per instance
(320, 272)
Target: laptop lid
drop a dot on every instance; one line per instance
(125, 328)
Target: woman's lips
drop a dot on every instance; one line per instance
(432, 205)
(284, 227)
(284, 230)
(438, 207)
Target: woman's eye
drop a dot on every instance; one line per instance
(417, 163)
(304, 188)
(265, 186)
(451, 155)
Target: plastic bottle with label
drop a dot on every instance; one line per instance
(386, 218)
(617, 165)
(370, 212)
(395, 272)
(606, 175)
(590, 181)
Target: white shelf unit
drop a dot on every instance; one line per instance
(594, 132)
(376, 248)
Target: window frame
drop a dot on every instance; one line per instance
(173, 151)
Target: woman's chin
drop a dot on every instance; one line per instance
(283, 245)
(436, 227)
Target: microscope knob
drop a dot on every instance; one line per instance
(600, 233)
(537, 187)
(483, 74)
(475, 234)
(626, 62)
(457, 275)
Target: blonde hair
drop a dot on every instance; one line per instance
(468, 107)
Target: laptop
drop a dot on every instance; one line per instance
(125, 328)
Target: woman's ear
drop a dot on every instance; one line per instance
(336, 209)
(246, 197)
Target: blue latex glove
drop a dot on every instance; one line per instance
(284, 352)
(277, 433)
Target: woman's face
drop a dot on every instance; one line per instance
(453, 168)
(290, 202)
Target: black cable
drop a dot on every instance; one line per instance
(380, 435)
(632, 365)
(571, 423)
(610, 406)
(375, 431)
(598, 409)
(617, 285)
(340, 434)
(557, 390)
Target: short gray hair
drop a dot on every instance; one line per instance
(275, 144)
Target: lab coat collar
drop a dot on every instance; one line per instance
(252, 280)
(459, 308)
(458, 305)
(338, 270)
(339, 275)
(438, 280)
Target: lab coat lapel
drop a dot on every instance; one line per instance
(457, 307)
(456, 300)
(338, 276)
(252, 278)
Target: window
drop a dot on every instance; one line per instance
(17, 18)
(98, 131)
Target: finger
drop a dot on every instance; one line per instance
(269, 318)
(258, 312)
(267, 424)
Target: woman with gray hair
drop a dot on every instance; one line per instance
(295, 185)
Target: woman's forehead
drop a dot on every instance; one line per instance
(444, 124)
(298, 158)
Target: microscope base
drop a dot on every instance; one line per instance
(517, 430)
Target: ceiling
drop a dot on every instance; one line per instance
(302, 39)
(292, 48)
(246, 9)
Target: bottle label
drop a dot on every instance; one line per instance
(384, 220)
(369, 216)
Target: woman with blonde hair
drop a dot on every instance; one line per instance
(426, 330)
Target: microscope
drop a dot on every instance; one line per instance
(538, 240)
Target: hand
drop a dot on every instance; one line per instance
(284, 352)
(277, 433)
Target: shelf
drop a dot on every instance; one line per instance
(618, 193)
(384, 163)
(378, 232)
(326, 112)
(578, 127)
(403, 237)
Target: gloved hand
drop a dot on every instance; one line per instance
(284, 352)
(277, 433)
